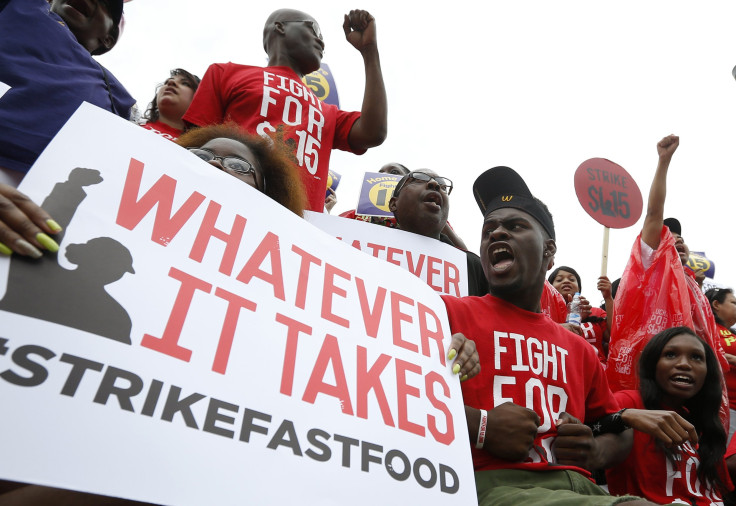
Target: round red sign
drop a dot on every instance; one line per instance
(608, 193)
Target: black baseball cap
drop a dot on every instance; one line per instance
(674, 225)
(501, 187)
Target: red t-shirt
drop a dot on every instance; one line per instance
(553, 303)
(648, 473)
(260, 100)
(593, 331)
(728, 342)
(163, 130)
(531, 361)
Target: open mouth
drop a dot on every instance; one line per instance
(681, 379)
(434, 199)
(501, 257)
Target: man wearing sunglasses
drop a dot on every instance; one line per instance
(265, 100)
(421, 205)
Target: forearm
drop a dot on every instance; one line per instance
(611, 449)
(472, 417)
(371, 128)
(652, 228)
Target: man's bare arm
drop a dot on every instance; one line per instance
(371, 128)
(652, 228)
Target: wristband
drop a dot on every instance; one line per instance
(610, 424)
(482, 429)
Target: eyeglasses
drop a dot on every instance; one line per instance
(234, 163)
(444, 183)
(312, 24)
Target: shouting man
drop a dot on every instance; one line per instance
(538, 381)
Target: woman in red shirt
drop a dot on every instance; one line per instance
(678, 441)
(171, 101)
(594, 324)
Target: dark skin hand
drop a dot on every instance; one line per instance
(467, 362)
(21, 221)
(667, 426)
(700, 277)
(584, 308)
(330, 200)
(371, 128)
(510, 431)
(574, 444)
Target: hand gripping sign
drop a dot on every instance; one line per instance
(609, 195)
(698, 261)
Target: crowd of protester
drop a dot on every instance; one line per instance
(644, 411)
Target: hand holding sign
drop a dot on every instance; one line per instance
(24, 225)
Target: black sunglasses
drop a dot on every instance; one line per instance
(312, 24)
(444, 183)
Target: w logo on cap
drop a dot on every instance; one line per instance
(506, 198)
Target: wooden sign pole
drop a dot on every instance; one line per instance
(604, 256)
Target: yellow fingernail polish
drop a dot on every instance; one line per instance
(456, 369)
(452, 354)
(47, 242)
(5, 250)
(464, 378)
(55, 227)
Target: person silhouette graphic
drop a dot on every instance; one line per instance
(72, 297)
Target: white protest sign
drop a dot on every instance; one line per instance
(443, 267)
(196, 343)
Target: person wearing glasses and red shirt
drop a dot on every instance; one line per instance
(264, 100)
(421, 205)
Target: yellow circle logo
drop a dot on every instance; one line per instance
(380, 193)
(698, 263)
(318, 84)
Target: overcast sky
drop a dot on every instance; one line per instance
(539, 86)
